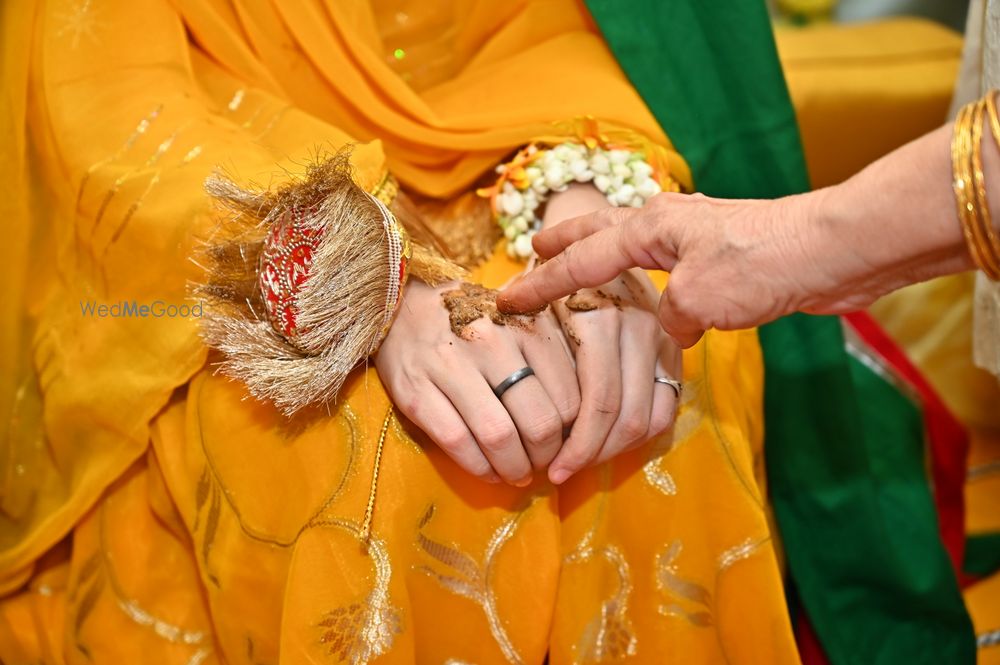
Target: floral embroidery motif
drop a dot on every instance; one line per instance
(689, 417)
(676, 589)
(468, 579)
(609, 635)
(364, 630)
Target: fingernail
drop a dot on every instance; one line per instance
(503, 304)
(523, 482)
(559, 476)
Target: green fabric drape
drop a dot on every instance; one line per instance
(844, 448)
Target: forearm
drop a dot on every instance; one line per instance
(898, 217)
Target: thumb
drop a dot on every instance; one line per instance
(684, 328)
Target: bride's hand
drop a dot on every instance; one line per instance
(620, 348)
(442, 378)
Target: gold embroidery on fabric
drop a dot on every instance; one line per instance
(150, 162)
(237, 99)
(676, 589)
(248, 123)
(191, 155)
(584, 549)
(199, 657)
(748, 484)
(215, 488)
(739, 552)
(90, 584)
(402, 435)
(130, 141)
(80, 21)
(609, 634)
(471, 580)
(689, 417)
(98, 570)
(132, 609)
(275, 118)
(364, 630)
(25, 441)
(139, 130)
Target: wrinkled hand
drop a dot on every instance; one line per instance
(733, 264)
(443, 383)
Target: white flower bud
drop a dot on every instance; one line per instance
(519, 223)
(622, 170)
(533, 173)
(625, 194)
(510, 250)
(578, 166)
(510, 232)
(618, 156)
(522, 246)
(599, 163)
(637, 201)
(555, 175)
(511, 202)
(602, 182)
(617, 182)
(647, 188)
(641, 169)
(562, 152)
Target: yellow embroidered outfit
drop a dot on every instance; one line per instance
(152, 513)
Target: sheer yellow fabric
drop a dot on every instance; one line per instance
(152, 513)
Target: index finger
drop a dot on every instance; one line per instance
(555, 239)
(588, 262)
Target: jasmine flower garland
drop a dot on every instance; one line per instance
(623, 176)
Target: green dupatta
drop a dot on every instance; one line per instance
(844, 448)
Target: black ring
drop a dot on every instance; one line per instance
(505, 385)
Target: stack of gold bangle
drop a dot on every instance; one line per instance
(970, 185)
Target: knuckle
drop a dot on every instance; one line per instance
(633, 426)
(569, 408)
(543, 429)
(607, 402)
(451, 440)
(661, 421)
(496, 437)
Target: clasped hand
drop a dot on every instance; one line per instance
(592, 396)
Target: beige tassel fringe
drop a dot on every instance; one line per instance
(340, 307)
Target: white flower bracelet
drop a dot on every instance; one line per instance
(623, 176)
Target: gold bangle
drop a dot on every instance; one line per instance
(960, 180)
(994, 120)
(984, 223)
